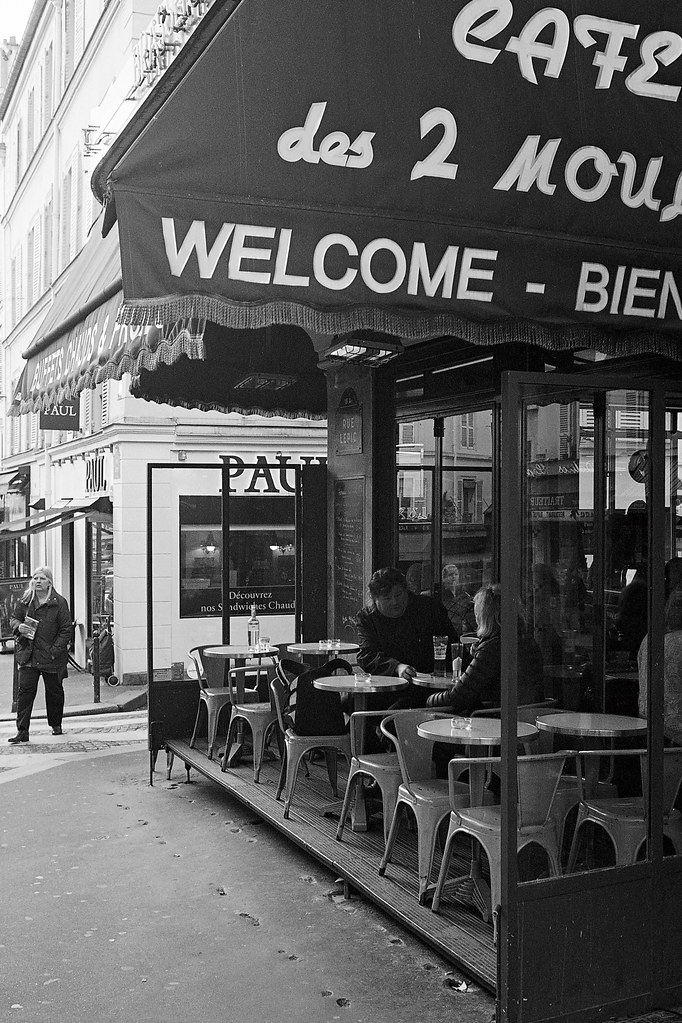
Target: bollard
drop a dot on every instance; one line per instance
(95, 661)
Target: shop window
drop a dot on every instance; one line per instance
(262, 555)
(454, 529)
(467, 430)
(102, 568)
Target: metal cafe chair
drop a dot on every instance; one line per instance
(537, 779)
(427, 797)
(212, 695)
(383, 768)
(625, 820)
(260, 716)
(309, 720)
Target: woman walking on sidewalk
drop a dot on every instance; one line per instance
(41, 621)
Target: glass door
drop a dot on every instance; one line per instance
(588, 527)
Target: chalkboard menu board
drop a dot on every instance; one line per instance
(349, 546)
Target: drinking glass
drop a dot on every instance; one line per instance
(264, 643)
(440, 647)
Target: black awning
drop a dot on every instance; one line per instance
(51, 517)
(272, 371)
(411, 169)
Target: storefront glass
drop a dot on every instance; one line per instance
(262, 554)
(102, 568)
(444, 493)
(586, 570)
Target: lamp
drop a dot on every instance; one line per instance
(210, 545)
(368, 348)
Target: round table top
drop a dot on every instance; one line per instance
(604, 725)
(471, 731)
(468, 639)
(238, 650)
(339, 647)
(431, 681)
(349, 684)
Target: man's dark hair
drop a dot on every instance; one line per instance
(383, 581)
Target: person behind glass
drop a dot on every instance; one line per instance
(395, 634)
(631, 616)
(672, 670)
(480, 683)
(44, 651)
(457, 601)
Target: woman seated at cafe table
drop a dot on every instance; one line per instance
(395, 635)
(480, 683)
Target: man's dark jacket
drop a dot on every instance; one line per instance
(387, 642)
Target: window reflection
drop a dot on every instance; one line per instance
(446, 519)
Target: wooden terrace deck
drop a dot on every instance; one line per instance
(458, 933)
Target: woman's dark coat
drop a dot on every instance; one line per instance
(481, 682)
(49, 648)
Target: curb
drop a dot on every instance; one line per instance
(136, 702)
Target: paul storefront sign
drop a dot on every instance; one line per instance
(487, 168)
(65, 416)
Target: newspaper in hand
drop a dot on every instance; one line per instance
(32, 623)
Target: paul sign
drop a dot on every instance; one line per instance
(64, 416)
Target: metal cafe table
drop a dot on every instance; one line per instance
(471, 888)
(240, 653)
(318, 653)
(360, 688)
(602, 726)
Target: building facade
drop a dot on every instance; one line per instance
(73, 486)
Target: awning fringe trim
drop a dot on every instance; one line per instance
(409, 326)
(186, 341)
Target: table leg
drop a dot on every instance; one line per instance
(358, 814)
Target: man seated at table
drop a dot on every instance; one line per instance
(480, 683)
(395, 635)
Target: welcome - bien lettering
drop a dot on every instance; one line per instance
(455, 273)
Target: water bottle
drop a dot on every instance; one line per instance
(253, 629)
(457, 652)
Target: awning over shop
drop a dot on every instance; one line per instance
(51, 517)
(13, 479)
(221, 370)
(490, 170)
(80, 342)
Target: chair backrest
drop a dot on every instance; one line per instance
(280, 698)
(672, 778)
(195, 656)
(543, 707)
(313, 711)
(253, 677)
(537, 779)
(414, 752)
(210, 670)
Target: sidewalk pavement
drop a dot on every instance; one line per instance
(79, 696)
